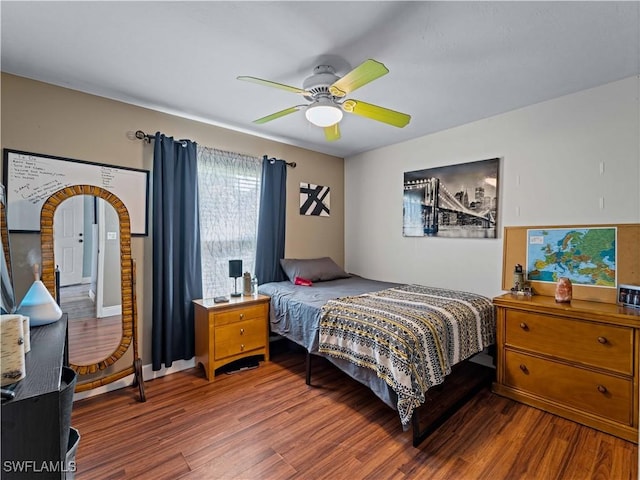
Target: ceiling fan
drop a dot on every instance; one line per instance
(326, 92)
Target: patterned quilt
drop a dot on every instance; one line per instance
(409, 335)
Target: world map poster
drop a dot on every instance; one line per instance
(586, 256)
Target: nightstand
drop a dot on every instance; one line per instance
(228, 331)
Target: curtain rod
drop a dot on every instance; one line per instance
(273, 160)
(147, 138)
(140, 135)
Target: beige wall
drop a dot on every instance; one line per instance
(46, 119)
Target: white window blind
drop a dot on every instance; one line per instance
(229, 196)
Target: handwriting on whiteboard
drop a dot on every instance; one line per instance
(32, 178)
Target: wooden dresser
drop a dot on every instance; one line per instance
(226, 332)
(578, 360)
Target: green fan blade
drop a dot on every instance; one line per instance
(269, 83)
(374, 112)
(279, 114)
(364, 73)
(332, 133)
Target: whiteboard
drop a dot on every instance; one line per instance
(31, 178)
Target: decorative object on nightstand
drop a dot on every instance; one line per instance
(235, 271)
(246, 284)
(226, 332)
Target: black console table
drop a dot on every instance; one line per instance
(36, 422)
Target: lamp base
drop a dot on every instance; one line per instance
(235, 293)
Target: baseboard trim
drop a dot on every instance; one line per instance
(111, 311)
(147, 373)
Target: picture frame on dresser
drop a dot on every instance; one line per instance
(629, 295)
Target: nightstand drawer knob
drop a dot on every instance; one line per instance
(603, 340)
(523, 367)
(242, 347)
(524, 326)
(242, 331)
(242, 315)
(602, 389)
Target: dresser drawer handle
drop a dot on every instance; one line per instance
(523, 367)
(524, 326)
(241, 315)
(602, 389)
(242, 347)
(242, 331)
(603, 340)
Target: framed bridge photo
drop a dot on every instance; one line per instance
(452, 201)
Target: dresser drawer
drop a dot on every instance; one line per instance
(240, 314)
(607, 396)
(239, 337)
(604, 346)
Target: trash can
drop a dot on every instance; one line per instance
(70, 459)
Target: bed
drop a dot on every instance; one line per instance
(401, 341)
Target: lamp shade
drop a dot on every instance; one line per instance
(323, 114)
(235, 268)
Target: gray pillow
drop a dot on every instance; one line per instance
(314, 269)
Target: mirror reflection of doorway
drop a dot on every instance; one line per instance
(87, 254)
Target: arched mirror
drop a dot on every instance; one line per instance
(87, 255)
(85, 236)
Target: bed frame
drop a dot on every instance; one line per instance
(466, 379)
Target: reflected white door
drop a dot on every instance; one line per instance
(68, 227)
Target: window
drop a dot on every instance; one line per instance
(229, 196)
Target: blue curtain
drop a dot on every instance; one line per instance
(177, 270)
(271, 222)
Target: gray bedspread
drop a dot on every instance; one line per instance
(295, 314)
(295, 310)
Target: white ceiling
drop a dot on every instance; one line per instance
(450, 62)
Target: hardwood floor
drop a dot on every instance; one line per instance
(91, 339)
(266, 423)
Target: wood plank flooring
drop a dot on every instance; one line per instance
(266, 423)
(91, 339)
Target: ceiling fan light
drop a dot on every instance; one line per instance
(323, 115)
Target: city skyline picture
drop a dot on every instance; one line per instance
(452, 201)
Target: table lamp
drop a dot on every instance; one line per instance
(235, 271)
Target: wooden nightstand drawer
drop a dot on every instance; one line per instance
(239, 314)
(603, 395)
(239, 337)
(589, 343)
